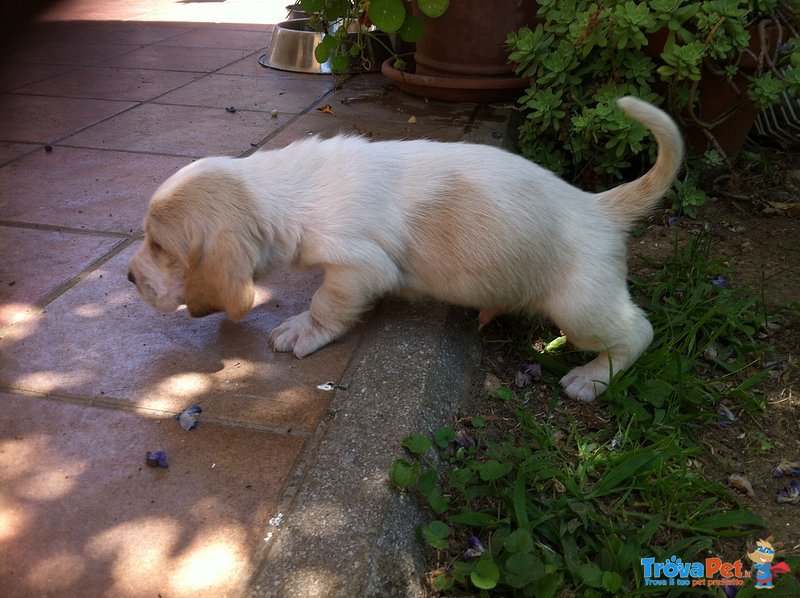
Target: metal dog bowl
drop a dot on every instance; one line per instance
(292, 49)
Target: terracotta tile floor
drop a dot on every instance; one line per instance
(102, 100)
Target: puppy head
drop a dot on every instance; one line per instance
(200, 247)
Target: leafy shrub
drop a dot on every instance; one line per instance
(583, 55)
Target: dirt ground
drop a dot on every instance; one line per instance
(758, 232)
(755, 224)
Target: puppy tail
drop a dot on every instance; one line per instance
(632, 201)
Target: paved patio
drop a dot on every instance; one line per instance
(101, 101)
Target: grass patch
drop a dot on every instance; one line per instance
(543, 508)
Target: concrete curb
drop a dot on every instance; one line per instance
(347, 532)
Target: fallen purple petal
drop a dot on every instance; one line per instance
(787, 469)
(727, 416)
(522, 380)
(532, 369)
(527, 374)
(475, 548)
(464, 440)
(188, 417)
(673, 220)
(720, 282)
(156, 459)
(790, 495)
(615, 443)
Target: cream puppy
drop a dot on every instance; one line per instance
(465, 224)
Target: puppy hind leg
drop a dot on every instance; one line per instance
(619, 338)
(487, 314)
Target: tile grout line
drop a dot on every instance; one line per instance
(83, 274)
(56, 228)
(117, 404)
(41, 304)
(254, 148)
(14, 90)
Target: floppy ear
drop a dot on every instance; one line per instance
(220, 278)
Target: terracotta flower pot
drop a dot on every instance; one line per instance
(452, 88)
(719, 99)
(462, 55)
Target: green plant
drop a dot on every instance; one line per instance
(584, 54)
(705, 340)
(532, 514)
(543, 509)
(686, 196)
(349, 25)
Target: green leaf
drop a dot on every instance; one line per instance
(311, 6)
(591, 574)
(438, 502)
(478, 422)
(444, 436)
(611, 581)
(403, 474)
(504, 393)
(439, 528)
(521, 569)
(435, 534)
(556, 344)
(387, 15)
(443, 581)
(548, 585)
(494, 470)
(324, 49)
(519, 540)
(475, 519)
(486, 574)
(520, 493)
(340, 63)
(412, 28)
(417, 444)
(644, 535)
(459, 478)
(335, 9)
(633, 465)
(427, 481)
(734, 519)
(656, 391)
(433, 8)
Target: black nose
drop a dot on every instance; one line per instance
(131, 277)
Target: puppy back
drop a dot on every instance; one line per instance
(633, 201)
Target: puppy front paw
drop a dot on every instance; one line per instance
(300, 335)
(587, 382)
